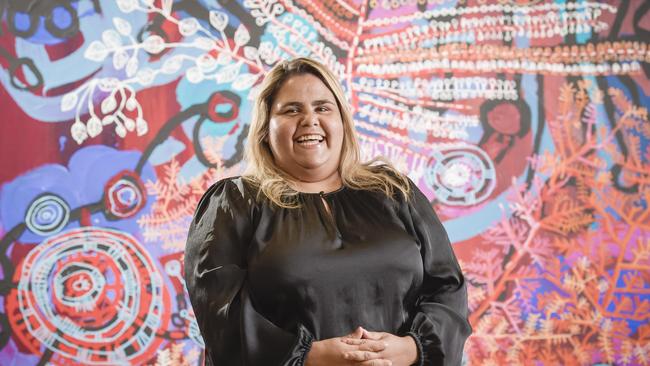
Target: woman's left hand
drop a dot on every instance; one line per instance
(402, 351)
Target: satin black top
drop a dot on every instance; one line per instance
(265, 282)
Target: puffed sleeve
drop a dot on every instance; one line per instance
(235, 333)
(439, 322)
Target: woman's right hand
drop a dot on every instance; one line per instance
(331, 351)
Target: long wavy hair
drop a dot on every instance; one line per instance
(274, 183)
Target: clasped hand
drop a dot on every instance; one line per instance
(363, 348)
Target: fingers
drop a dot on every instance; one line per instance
(372, 335)
(360, 356)
(356, 334)
(366, 344)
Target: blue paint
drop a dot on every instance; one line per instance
(81, 183)
(166, 151)
(22, 21)
(61, 17)
(62, 140)
(191, 169)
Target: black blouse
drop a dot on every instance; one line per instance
(265, 282)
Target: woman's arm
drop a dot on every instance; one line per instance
(234, 332)
(439, 323)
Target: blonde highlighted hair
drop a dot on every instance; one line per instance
(272, 182)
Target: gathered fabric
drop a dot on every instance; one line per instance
(266, 282)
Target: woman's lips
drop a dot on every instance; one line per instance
(311, 143)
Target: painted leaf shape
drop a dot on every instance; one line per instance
(120, 130)
(242, 36)
(129, 124)
(122, 26)
(94, 126)
(218, 19)
(172, 65)
(78, 132)
(111, 38)
(244, 81)
(154, 44)
(120, 59)
(131, 104)
(145, 76)
(228, 73)
(194, 75)
(69, 101)
(127, 6)
(131, 66)
(141, 126)
(206, 62)
(250, 52)
(188, 26)
(108, 104)
(96, 51)
(108, 84)
(204, 43)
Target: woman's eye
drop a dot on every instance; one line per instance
(323, 109)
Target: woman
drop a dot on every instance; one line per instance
(313, 258)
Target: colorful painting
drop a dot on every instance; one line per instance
(524, 122)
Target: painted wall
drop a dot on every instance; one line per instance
(525, 122)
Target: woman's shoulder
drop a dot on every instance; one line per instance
(234, 186)
(230, 190)
(230, 195)
(399, 179)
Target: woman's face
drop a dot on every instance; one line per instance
(306, 129)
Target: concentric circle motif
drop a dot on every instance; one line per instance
(92, 296)
(461, 175)
(47, 215)
(124, 195)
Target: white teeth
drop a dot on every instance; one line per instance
(309, 138)
(310, 142)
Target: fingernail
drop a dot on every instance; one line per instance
(346, 356)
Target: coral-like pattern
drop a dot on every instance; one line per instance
(563, 278)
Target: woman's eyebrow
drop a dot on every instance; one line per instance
(290, 104)
(322, 101)
(299, 104)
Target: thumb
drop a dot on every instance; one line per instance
(372, 335)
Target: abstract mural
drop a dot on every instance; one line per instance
(524, 122)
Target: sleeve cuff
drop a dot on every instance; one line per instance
(418, 344)
(298, 354)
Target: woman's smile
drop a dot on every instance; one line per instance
(306, 129)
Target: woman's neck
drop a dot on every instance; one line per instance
(328, 184)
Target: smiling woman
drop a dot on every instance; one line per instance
(306, 133)
(315, 258)
(289, 99)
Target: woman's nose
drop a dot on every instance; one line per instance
(310, 119)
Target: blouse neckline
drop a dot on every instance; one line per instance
(323, 193)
